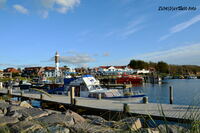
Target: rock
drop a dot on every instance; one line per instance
(4, 129)
(53, 129)
(2, 101)
(77, 118)
(90, 128)
(54, 119)
(149, 130)
(130, 123)
(1, 113)
(111, 124)
(16, 103)
(3, 106)
(97, 120)
(172, 129)
(14, 108)
(4, 120)
(27, 113)
(25, 126)
(52, 111)
(25, 104)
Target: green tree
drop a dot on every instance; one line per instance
(162, 67)
(138, 64)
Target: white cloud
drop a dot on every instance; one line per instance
(76, 58)
(44, 14)
(18, 65)
(184, 25)
(164, 37)
(181, 55)
(2, 3)
(110, 33)
(67, 3)
(131, 31)
(43, 7)
(131, 28)
(61, 6)
(47, 4)
(62, 10)
(21, 9)
(181, 26)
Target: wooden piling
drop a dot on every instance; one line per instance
(145, 100)
(171, 98)
(72, 95)
(41, 96)
(9, 91)
(99, 96)
(1, 85)
(126, 108)
(21, 93)
(124, 85)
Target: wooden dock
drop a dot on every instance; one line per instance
(171, 112)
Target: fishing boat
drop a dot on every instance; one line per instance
(88, 86)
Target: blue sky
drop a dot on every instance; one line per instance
(97, 32)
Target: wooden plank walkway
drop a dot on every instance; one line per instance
(179, 112)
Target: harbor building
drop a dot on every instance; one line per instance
(32, 71)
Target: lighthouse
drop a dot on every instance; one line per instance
(57, 72)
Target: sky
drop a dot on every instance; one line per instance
(93, 33)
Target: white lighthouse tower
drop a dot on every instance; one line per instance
(57, 71)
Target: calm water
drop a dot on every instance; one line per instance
(186, 91)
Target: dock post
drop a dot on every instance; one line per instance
(171, 99)
(126, 108)
(9, 91)
(21, 93)
(72, 95)
(124, 85)
(1, 85)
(145, 100)
(41, 97)
(99, 96)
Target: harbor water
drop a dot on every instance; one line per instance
(186, 91)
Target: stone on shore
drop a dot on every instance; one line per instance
(4, 120)
(25, 104)
(172, 129)
(131, 123)
(28, 113)
(4, 129)
(25, 126)
(54, 119)
(16, 103)
(53, 129)
(3, 106)
(91, 128)
(149, 130)
(76, 117)
(97, 120)
(14, 108)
